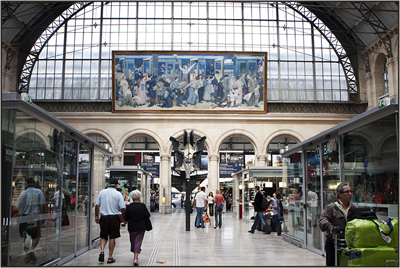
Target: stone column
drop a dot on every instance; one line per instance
(116, 160)
(261, 160)
(392, 68)
(213, 172)
(165, 183)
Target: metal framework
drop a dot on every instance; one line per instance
(367, 13)
(42, 41)
(333, 41)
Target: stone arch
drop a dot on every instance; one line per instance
(36, 132)
(383, 143)
(141, 132)
(102, 133)
(282, 132)
(241, 133)
(377, 67)
(367, 142)
(395, 44)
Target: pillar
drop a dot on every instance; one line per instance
(165, 183)
(116, 160)
(392, 68)
(213, 172)
(261, 160)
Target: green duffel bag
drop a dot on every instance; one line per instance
(368, 233)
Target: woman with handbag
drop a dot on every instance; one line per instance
(136, 215)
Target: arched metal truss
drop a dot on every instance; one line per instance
(77, 7)
(333, 41)
(42, 41)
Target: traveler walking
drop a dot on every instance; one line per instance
(334, 218)
(135, 215)
(109, 204)
(30, 205)
(200, 204)
(276, 213)
(218, 201)
(210, 199)
(258, 200)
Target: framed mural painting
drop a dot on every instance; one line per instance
(189, 82)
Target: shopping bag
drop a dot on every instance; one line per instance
(206, 218)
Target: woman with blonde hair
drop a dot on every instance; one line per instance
(135, 215)
(218, 201)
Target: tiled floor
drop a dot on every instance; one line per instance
(169, 244)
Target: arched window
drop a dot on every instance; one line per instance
(305, 64)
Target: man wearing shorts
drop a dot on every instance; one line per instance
(30, 205)
(109, 203)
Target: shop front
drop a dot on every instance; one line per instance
(50, 174)
(270, 181)
(362, 152)
(132, 178)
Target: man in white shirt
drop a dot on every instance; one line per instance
(312, 201)
(30, 205)
(109, 204)
(200, 204)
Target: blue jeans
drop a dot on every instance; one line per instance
(199, 217)
(277, 223)
(260, 215)
(218, 215)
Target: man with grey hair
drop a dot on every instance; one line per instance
(334, 218)
(109, 204)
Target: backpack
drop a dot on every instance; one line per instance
(280, 210)
(264, 203)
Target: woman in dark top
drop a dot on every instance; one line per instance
(135, 214)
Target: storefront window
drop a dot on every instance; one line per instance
(370, 163)
(83, 191)
(294, 177)
(69, 191)
(35, 181)
(101, 172)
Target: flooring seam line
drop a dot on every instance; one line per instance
(156, 248)
(177, 257)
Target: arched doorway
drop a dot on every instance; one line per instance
(236, 153)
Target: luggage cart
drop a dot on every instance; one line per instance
(340, 245)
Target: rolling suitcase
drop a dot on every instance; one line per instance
(376, 256)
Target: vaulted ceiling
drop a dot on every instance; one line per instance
(355, 24)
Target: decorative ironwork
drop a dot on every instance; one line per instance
(42, 41)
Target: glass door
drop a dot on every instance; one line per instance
(68, 215)
(32, 237)
(82, 198)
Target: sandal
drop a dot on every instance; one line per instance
(101, 257)
(111, 260)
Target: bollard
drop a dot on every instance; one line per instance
(163, 205)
